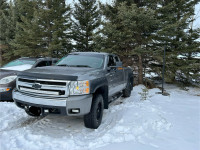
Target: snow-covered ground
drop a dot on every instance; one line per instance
(158, 123)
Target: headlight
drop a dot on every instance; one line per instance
(4, 89)
(79, 87)
(7, 80)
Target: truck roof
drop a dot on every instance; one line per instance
(90, 53)
(36, 58)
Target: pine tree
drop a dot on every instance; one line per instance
(55, 20)
(129, 32)
(86, 21)
(175, 17)
(24, 43)
(188, 72)
(43, 29)
(3, 12)
(7, 30)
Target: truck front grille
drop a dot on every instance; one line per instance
(43, 82)
(43, 87)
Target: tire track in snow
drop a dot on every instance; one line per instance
(22, 123)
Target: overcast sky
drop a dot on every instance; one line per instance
(197, 16)
(197, 11)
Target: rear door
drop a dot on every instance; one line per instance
(119, 75)
(111, 75)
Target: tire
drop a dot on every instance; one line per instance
(33, 111)
(93, 119)
(128, 89)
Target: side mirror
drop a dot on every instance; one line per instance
(118, 64)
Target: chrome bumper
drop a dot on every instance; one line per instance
(36, 100)
(83, 102)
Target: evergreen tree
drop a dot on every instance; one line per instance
(7, 30)
(188, 67)
(43, 29)
(55, 21)
(24, 43)
(188, 71)
(3, 12)
(86, 21)
(172, 19)
(175, 17)
(129, 32)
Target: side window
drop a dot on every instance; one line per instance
(49, 63)
(111, 61)
(42, 63)
(116, 58)
(54, 62)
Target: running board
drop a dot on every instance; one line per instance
(115, 97)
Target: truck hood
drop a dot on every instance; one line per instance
(61, 73)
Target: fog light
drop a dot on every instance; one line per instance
(46, 110)
(74, 111)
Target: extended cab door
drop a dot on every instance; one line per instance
(120, 76)
(111, 75)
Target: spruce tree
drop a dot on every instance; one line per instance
(188, 71)
(86, 21)
(55, 21)
(7, 30)
(175, 17)
(129, 32)
(24, 43)
(43, 29)
(3, 12)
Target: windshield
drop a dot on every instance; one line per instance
(19, 63)
(82, 61)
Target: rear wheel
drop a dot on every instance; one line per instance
(93, 119)
(128, 89)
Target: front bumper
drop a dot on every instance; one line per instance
(62, 105)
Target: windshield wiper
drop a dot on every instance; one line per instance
(63, 65)
(81, 66)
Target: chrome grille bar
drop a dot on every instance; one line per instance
(39, 91)
(54, 88)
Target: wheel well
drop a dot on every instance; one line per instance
(103, 90)
(131, 80)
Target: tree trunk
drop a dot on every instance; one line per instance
(140, 70)
(0, 56)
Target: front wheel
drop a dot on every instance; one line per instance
(93, 119)
(33, 111)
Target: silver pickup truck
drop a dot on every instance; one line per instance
(81, 83)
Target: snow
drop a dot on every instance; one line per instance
(19, 68)
(151, 74)
(160, 122)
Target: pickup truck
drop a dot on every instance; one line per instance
(80, 84)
